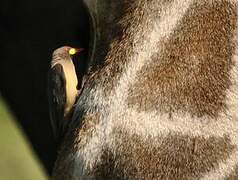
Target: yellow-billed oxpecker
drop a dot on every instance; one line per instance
(62, 88)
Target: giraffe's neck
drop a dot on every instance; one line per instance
(163, 104)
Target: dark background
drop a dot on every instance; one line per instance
(29, 31)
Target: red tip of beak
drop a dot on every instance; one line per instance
(78, 50)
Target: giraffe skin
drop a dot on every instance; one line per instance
(161, 98)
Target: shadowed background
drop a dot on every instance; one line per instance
(29, 31)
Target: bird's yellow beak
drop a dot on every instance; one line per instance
(73, 51)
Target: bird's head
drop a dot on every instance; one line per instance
(66, 51)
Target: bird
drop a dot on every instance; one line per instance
(62, 88)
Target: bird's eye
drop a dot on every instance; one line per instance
(72, 51)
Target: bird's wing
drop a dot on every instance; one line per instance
(57, 98)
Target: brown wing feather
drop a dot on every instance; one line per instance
(57, 98)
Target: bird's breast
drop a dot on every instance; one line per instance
(71, 86)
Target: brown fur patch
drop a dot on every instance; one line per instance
(191, 73)
(173, 157)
